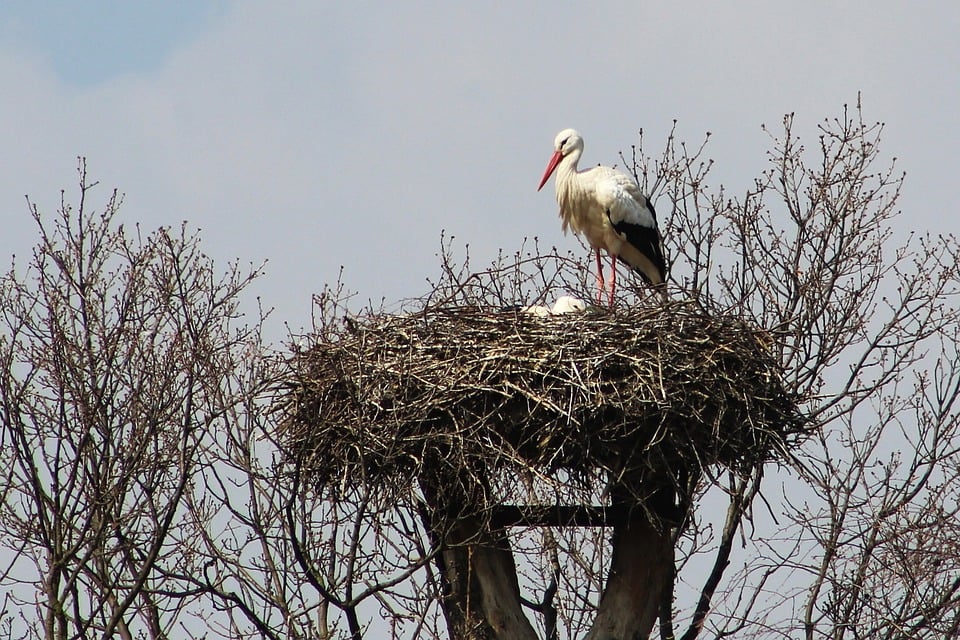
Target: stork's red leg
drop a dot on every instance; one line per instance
(613, 277)
(600, 282)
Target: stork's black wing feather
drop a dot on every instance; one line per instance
(646, 239)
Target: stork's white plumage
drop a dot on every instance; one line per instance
(567, 304)
(606, 207)
(563, 304)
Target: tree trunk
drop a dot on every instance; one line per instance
(496, 574)
(481, 598)
(639, 572)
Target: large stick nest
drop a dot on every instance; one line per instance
(455, 389)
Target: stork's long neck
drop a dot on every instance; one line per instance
(568, 187)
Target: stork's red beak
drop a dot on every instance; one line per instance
(554, 161)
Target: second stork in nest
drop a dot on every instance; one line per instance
(608, 209)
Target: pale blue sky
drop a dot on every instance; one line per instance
(318, 134)
(85, 43)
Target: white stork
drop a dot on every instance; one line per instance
(607, 208)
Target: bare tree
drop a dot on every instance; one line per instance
(115, 353)
(866, 317)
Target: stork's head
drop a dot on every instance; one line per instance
(566, 142)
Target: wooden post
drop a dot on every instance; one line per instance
(641, 567)
(481, 598)
(639, 572)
